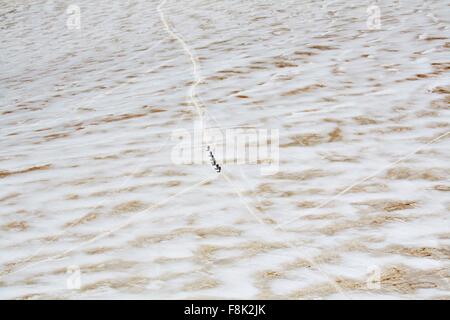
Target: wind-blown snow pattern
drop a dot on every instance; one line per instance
(92, 205)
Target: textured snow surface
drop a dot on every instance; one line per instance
(87, 179)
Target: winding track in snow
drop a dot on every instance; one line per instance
(196, 72)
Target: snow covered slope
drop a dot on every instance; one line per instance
(88, 190)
